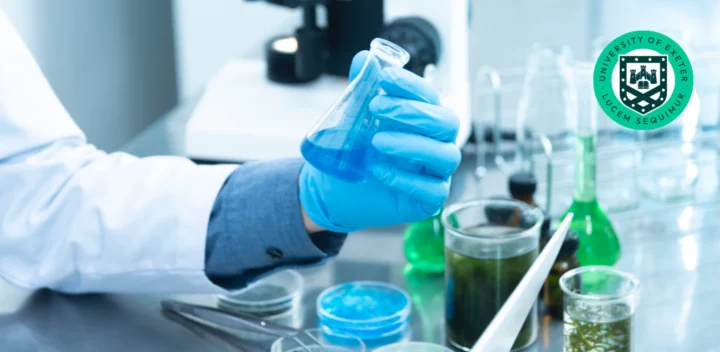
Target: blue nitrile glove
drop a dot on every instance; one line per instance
(412, 176)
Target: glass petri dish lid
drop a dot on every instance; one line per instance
(413, 347)
(269, 296)
(318, 341)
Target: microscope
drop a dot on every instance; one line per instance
(257, 110)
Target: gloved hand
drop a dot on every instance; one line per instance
(411, 178)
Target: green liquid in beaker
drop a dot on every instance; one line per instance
(476, 289)
(606, 329)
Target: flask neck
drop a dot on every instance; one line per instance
(585, 170)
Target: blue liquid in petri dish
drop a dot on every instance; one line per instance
(376, 313)
(327, 150)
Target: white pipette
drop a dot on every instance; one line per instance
(500, 335)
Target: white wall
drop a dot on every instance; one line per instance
(209, 32)
(111, 62)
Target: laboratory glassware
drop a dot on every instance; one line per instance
(413, 347)
(566, 260)
(316, 340)
(500, 334)
(599, 305)
(424, 245)
(616, 170)
(670, 172)
(547, 104)
(376, 312)
(490, 245)
(340, 142)
(599, 244)
(270, 296)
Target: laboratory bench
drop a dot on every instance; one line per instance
(674, 249)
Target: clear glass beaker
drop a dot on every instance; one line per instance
(490, 244)
(598, 309)
(339, 143)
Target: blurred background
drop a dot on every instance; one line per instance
(118, 65)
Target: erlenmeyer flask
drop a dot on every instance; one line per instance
(339, 143)
(547, 105)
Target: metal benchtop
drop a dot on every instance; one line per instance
(674, 249)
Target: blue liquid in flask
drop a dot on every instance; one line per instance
(334, 157)
(340, 143)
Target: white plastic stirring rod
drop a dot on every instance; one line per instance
(504, 328)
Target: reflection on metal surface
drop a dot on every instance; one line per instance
(689, 252)
(684, 220)
(681, 329)
(428, 295)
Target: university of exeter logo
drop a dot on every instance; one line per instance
(643, 80)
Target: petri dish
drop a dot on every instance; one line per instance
(376, 312)
(272, 296)
(413, 347)
(308, 340)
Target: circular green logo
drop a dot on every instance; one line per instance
(643, 80)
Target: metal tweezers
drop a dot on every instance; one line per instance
(196, 319)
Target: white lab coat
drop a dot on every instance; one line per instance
(76, 219)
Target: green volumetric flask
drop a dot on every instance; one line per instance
(425, 245)
(599, 244)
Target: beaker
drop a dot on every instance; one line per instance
(598, 309)
(340, 142)
(490, 245)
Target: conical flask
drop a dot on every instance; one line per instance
(339, 143)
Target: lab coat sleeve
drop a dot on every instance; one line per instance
(76, 219)
(256, 226)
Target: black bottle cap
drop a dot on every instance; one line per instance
(522, 184)
(545, 227)
(570, 244)
(499, 214)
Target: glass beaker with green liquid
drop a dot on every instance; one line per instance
(599, 244)
(599, 304)
(424, 245)
(490, 245)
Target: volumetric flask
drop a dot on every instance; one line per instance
(490, 245)
(598, 308)
(339, 143)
